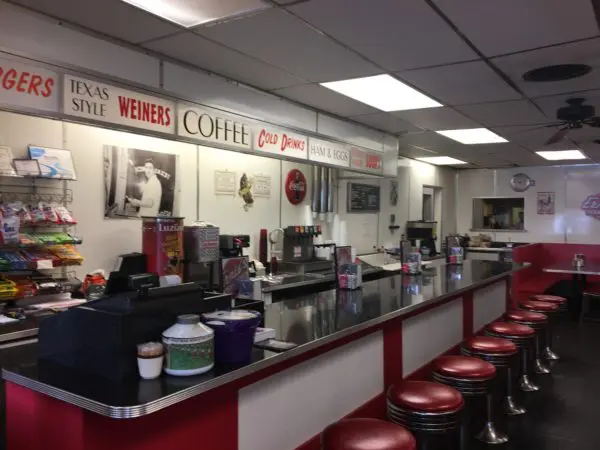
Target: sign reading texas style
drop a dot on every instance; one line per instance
(92, 100)
(329, 153)
(28, 86)
(212, 126)
(591, 206)
(282, 143)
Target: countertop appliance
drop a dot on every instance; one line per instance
(232, 244)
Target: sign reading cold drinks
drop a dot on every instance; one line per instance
(28, 86)
(329, 153)
(281, 143)
(97, 101)
(203, 125)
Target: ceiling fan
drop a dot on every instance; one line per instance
(573, 116)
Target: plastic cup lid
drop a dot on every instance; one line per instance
(236, 314)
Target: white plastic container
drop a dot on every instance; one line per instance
(189, 347)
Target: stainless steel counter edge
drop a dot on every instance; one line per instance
(16, 335)
(130, 412)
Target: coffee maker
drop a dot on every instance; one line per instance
(201, 255)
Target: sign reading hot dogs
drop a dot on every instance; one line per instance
(329, 153)
(206, 126)
(98, 101)
(28, 86)
(281, 143)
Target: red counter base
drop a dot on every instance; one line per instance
(209, 421)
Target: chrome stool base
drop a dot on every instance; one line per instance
(550, 355)
(540, 367)
(511, 408)
(527, 385)
(490, 435)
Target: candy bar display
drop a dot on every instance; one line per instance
(15, 287)
(23, 215)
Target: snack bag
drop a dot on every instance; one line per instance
(9, 226)
(50, 213)
(64, 215)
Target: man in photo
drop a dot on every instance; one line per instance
(149, 204)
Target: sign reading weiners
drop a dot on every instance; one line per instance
(98, 101)
(202, 125)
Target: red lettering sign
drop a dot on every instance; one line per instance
(132, 108)
(373, 161)
(591, 206)
(26, 83)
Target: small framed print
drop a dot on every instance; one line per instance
(54, 162)
(27, 167)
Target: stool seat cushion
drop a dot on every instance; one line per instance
(511, 329)
(465, 367)
(492, 345)
(548, 298)
(425, 396)
(526, 316)
(531, 305)
(366, 434)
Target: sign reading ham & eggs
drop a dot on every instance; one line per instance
(212, 126)
(329, 153)
(277, 142)
(98, 101)
(28, 86)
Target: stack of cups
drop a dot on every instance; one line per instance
(150, 358)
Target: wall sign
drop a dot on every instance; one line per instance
(329, 153)
(591, 206)
(92, 100)
(281, 143)
(225, 182)
(28, 86)
(545, 203)
(295, 186)
(363, 197)
(206, 126)
(365, 160)
(261, 186)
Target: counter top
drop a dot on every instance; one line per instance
(490, 249)
(311, 321)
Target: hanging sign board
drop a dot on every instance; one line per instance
(365, 160)
(28, 86)
(329, 153)
(98, 101)
(277, 142)
(363, 198)
(213, 126)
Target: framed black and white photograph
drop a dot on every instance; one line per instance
(139, 183)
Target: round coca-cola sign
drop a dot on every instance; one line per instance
(295, 186)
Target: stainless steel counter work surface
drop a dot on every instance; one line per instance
(311, 320)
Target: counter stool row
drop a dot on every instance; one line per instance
(435, 409)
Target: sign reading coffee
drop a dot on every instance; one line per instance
(329, 153)
(280, 143)
(207, 126)
(98, 101)
(28, 86)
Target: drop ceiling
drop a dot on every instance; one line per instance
(469, 55)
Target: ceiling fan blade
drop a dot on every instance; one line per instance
(593, 122)
(558, 136)
(540, 127)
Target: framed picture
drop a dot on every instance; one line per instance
(54, 162)
(545, 203)
(27, 167)
(6, 158)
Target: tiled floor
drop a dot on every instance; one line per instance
(565, 414)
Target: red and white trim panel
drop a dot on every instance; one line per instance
(286, 409)
(430, 334)
(489, 304)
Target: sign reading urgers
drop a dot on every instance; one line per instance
(92, 100)
(212, 127)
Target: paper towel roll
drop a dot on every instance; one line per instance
(335, 230)
(343, 233)
(308, 216)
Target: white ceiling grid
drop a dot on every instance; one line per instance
(469, 55)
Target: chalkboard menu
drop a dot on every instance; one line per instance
(363, 197)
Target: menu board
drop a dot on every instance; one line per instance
(363, 197)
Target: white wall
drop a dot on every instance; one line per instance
(571, 185)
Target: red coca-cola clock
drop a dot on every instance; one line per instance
(295, 186)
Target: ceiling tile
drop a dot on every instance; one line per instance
(326, 100)
(386, 122)
(277, 37)
(430, 140)
(383, 25)
(498, 149)
(111, 17)
(551, 104)
(514, 112)
(585, 52)
(534, 138)
(486, 161)
(592, 151)
(436, 119)
(459, 84)
(411, 151)
(196, 50)
(515, 25)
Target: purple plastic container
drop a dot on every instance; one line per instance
(234, 334)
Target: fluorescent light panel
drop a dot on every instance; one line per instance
(558, 155)
(441, 160)
(382, 92)
(473, 136)
(190, 13)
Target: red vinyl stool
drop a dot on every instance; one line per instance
(550, 309)
(503, 354)
(430, 410)
(366, 434)
(471, 377)
(523, 337)
(539, 322)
